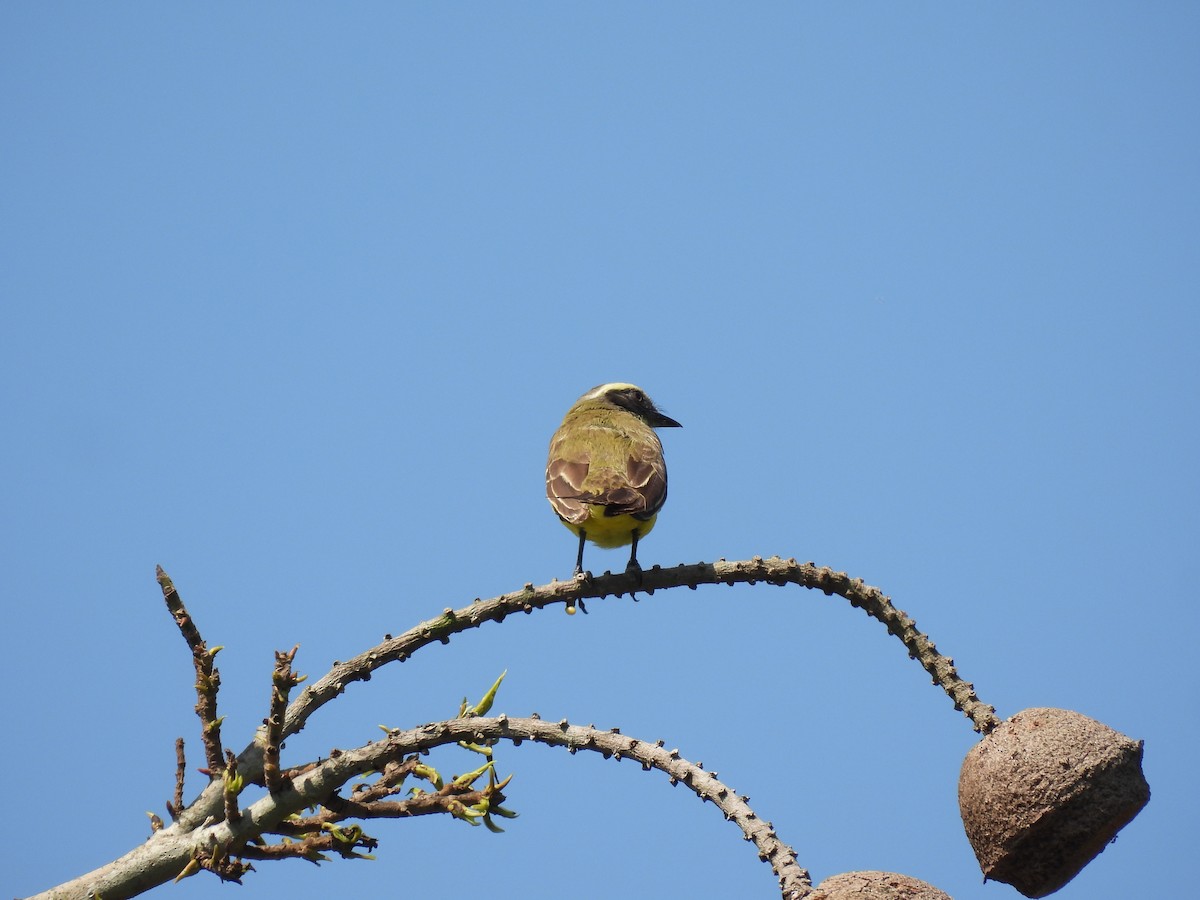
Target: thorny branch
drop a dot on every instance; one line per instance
(218, 846)
(208, 679)
(175, 806)
(283, 679)
(774, 570)
(204, 834)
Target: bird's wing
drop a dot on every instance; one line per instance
(635, 485)
(564, 484)
(647, 477)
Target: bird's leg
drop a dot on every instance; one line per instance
(633, 568)
(579, 569)
(579, 558)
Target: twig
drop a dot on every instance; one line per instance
(283, 679)
(208, 679)
(176, 806)
(233, 784)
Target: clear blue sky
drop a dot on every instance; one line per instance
(295, 294)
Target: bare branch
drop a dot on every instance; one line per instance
(173, 852)
(208, 679)
(175, 806)
(283, 679)
(775, 571)
(194, 834)
(232, 783)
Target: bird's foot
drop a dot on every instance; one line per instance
(581, 576)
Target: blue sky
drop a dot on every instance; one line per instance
(295, 294)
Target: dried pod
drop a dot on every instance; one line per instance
(876, 886)
(1044, 793)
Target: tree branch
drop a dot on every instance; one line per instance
(775, 571)
(175, 806)
(159, 859)
(283, 679)
(208, 679)
(172, 851)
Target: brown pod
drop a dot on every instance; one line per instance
(1044, 793)
(876, 886)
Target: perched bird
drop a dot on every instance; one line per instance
(606, 477)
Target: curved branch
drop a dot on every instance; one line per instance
(772, 571)
(167, 852)
(207, 808)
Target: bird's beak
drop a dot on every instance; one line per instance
(658, 420)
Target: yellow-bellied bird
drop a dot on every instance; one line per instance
(606, 477)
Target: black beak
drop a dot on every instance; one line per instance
(658, 420)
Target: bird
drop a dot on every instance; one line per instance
(606, 478)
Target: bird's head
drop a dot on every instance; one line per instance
(629, 397)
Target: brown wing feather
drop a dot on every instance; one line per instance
(564, 482)
(648, 477)
(573, 483)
